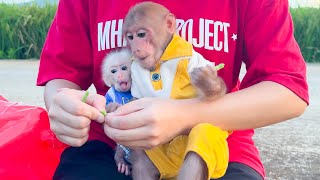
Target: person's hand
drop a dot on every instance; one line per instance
(111, 107)
(70, 118)
(146, 123)
(123, 167)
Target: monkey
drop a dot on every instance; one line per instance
(165, 65)
(116, 67)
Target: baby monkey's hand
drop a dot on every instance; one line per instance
(123, 167)
(112, 107)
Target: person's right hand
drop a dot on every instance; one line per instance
(70, 118)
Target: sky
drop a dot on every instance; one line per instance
(15, 1)
(293, 3)
(302, 3)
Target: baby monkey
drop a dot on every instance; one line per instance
(116, 74)
(166, 66)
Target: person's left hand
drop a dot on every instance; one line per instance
(146, 123)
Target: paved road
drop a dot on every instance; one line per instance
(289, 150)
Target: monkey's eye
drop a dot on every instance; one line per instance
(141, 34)
(113, 71)
(124, 68)
(129, 36)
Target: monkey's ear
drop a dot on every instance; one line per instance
(171, 23)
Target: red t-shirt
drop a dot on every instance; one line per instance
(258, 33)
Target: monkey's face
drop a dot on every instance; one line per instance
(145, 47)
(121, 79)
(148, 30)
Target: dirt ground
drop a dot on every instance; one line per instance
(289, 150)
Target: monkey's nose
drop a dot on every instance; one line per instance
(120, 76)
(136, 52)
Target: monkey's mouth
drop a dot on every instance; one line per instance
(124, 86)
(142, 58)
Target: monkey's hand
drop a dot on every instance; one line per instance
(208, 84)
(112, 107)
(123, 167)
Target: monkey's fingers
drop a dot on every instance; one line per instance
(195, 76)
(211, 71)
(124, 168)
(119, 167)
(127, 172)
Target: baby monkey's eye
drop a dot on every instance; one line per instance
(124, 68)
(141, 34)
(113, 71)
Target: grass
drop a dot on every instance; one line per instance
(307, 32)
(23, 29)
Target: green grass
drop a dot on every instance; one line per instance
(23, 30)
(307, 32)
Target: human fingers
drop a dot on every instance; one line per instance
(62, 129)
(140, 138)
(75, 142)
(60, 116)
(97, 101)
(129, 121)
(69, 129)
(132, 106)
(78, 108)
(127, 135)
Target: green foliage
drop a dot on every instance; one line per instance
(23, 29)
(307, 32)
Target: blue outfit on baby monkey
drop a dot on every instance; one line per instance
(121, 98)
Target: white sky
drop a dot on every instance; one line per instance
(303, 3)
(14, 1)
(293, 3)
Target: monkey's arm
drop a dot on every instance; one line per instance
(205, 79)
(208, 84)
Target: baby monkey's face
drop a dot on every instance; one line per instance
(121, 76)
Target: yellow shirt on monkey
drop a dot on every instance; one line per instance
(171, 79)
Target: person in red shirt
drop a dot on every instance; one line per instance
(256, 33)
